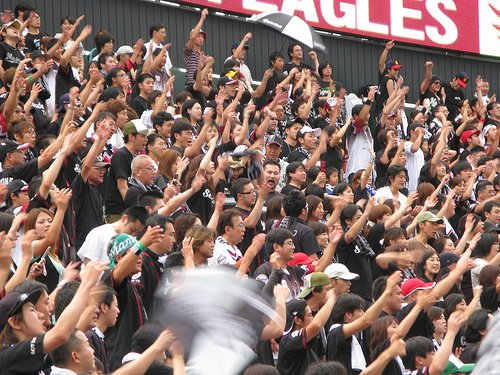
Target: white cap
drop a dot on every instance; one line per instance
(340, 271)
(307, 129)
(125, 50)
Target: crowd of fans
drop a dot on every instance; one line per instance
(377, 247)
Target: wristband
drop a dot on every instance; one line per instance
(246, 116)
(481, 119)
(70, 107)
(135, 249)
(140, 246)
(30, 81)
(368, 102)
(62, 283)
(372, 160)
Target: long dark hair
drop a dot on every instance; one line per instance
(420, 267)
(378, 331)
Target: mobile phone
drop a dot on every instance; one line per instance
(369, 190)
(323, 168)
(42, 258)
(175, 181)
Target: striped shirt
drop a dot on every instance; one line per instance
(191, 58)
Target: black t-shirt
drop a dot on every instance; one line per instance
(132, 316)
(292, 277)
(250, 233)
(287, 189)
(25, 357)
(65, 80)
(374, 237)
(149, 280)
(11, 57)
(332, 157)
(392, 367)
(139, 104)
(422, 326)
(197, 95)
(381, 170)
(384, 95)
(25, 171)
(353, 258)
(303, 237)
(296, 155)
(286, 151)
(290, 65)
(338, 348)
(434, 100)
(295, 353)
(33, 40)
(89, 208)
(360, 194)
(452, 99)
(120, 168)
(202, 203)
(99, 349)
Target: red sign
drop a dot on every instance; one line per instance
(463, 25)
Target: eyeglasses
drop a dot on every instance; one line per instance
(101, 169)
(241, 225)
(437, 83)
(121, 75)
(36, 17)
(150, 168)
(29, 132)
(289, 243)
(249, 192)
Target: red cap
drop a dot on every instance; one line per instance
(411, 285)
(467, 134)
(300, 259)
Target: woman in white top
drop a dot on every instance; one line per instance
(397, 175)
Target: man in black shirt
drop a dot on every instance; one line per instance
(291, 130)
(87, 202)
(308, 151)
(146, 82)
(250, 205)
(32, 39)
(10, 56)
(151, 276)
(134, 134)
(295, 54)
(454, 93)
(387, 85)
(305, 241)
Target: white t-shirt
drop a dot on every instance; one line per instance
(414, 163)
(96, 243)
(168, 63)
(387, 193)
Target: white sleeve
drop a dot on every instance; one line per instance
(407, 147)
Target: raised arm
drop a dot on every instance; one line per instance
(240, 47)
(197, 28)
(358, 226)
(201, 74)
(67, 54)
(428, 76)
(383, 56)
(335, 234)
(321, 317)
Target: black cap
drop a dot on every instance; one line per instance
(448, 258)
(414, 126)
(37, 53)
(9, 146)
(16, 185)
(275, 140)
(236, 44)
(293, 308)
(13, 302)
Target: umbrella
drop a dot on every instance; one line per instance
(292, 26)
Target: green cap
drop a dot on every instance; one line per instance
(314, 280)
(455, 365)
(428, 216)
(121, 243)
(135, 126)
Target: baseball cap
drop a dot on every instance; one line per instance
(489, 227)
(428, 216)
(340, 271)
(201, 32)
(98, 162)
(9, 146)
(411, 285)
(331, 102)
(462, 78)
(307, 129)
(64, 100)
(393, 64)
(293, 308)
(435, 78)
(124, 50)
(13, 302)
(448, 258)
(223, 81)
(313, 280)
(121, 243)
(455, 365)
(391, 114)
(275, 139)
(135, 126)
(300, 259)
(414, 126)
(14, 23)
(236, 44)
(16, 185)
(467, 134)
(37, 53)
